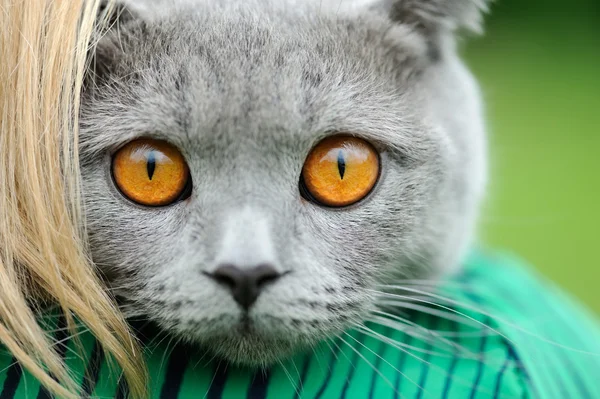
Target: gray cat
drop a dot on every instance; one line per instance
(245, 262)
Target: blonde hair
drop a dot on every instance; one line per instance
(43, 254)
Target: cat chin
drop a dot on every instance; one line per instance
(254, 350)
(254, 345)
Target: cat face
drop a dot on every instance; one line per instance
(246, 262)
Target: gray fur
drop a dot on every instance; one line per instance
(245, 89)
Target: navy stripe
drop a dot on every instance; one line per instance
(332, 362)
(122, 389)
(43, 393)
(260, 384)
(525, 380)
(92, 372)
(353, 361)
(62, 341)
(217, 384)
(401, 362)
(455, 357)
(566, 361)
(178, 362)
(500, 375)
(425, 364)
(480, 364)
(480, 301)
(303, 375)
(380, 350)
(143, 330)
(13, 378)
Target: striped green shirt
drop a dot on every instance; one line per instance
(497, 330)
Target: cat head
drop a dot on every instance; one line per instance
(236, 106)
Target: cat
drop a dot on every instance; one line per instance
(244, 89)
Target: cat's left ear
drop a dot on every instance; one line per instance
(430, 16)
(434, 20)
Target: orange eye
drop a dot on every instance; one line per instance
(150, 172)
(341, 170)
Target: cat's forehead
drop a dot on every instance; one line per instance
(160, 7)
(256, 35)
(229, 73)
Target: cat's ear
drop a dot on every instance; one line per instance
(112, 13)
(435, 19)
(431, 16)
(434, 16)
(107, 50)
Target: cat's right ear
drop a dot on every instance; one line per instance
(112, 13)
(107, 51)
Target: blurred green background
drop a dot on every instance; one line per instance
(539, 67)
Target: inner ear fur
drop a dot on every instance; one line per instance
(434, 16)
(436, 21)
(106, 52)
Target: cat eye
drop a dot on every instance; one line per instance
(151, 172)
(339, 171)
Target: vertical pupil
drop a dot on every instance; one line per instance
(151, 164)
(341, 164)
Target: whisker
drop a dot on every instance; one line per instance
(431, 334)
(77, 326)
(468, 355)
(289, 377)
(423, 308)
(496, 319)
(64, 343)
(155, 344)
(200, 359)
(318, 356)
(209, 361)
(400, 284)
(347, 358)
(296, 368)
(166, 353)
(449, 315)
(374, 368)
(70, 337)
(455, 378)
(211, 382)
(373, 334)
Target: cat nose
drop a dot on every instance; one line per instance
(247, 283)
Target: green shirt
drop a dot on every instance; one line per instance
(498, 331)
